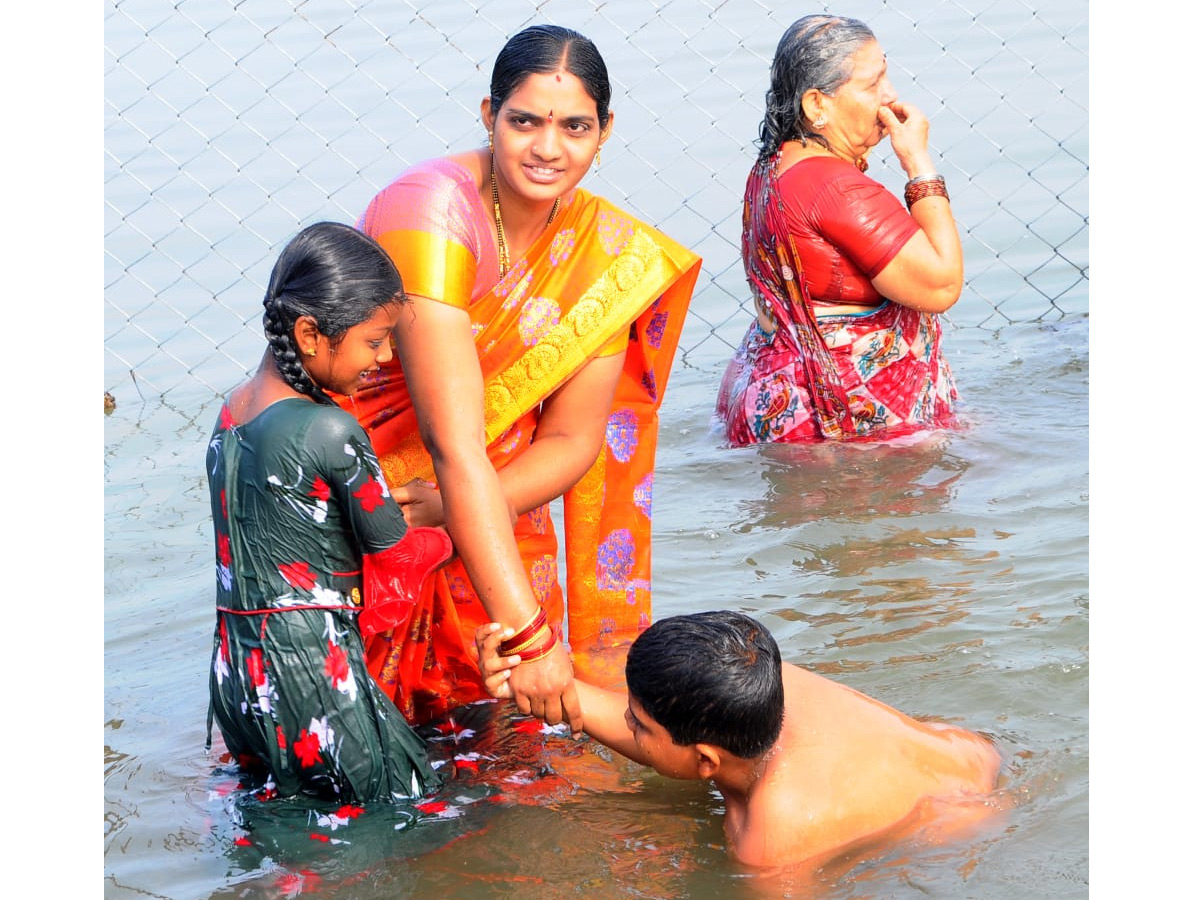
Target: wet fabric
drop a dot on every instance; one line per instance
(297, 499)
(595, 279)
(875, 375)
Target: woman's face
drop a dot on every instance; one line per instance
(852, 112)
(545, 135)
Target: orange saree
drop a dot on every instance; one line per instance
(595, 275)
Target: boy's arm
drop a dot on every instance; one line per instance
(604, 719)
(603, 710)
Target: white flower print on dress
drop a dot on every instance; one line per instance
(305, 503)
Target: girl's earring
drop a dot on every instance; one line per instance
(819, 123)
(596, 161)
(311, 351)
(491, 144)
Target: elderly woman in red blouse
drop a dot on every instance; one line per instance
(847, 282)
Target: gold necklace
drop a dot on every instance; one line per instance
(501, 243)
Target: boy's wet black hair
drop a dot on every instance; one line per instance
(710, 677)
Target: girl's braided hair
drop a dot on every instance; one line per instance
(335, 274)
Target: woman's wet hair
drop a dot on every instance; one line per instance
(710, 678)
(337, 275)
(545, 49)
(814, 52)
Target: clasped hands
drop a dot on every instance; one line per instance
(544, 688)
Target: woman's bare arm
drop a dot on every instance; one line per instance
(927, 273)
(441, 368)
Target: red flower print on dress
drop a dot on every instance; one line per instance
(320, 489)
(528, 726)
(254, 668)
(370, 495)
(337, 667)
(433, 807)
(298, 575)
(308, 749)
(223, 554)
(258, 678)
(226, 419)
(280, 737)
(349, 812)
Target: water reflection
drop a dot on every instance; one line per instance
(862, 546)
(853, 482)
(524, 808)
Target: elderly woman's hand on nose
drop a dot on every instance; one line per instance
(908, 130)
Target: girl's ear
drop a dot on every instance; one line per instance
(307, 335)
(485, 112)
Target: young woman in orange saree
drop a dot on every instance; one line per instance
(515, 384)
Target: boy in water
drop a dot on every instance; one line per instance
(808, 768)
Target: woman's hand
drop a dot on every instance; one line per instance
(421, 503)
(545, 689)
(496, 669)
(908, 130)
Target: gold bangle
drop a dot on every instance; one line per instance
(538, 636)
(542, 653)
(527, 631)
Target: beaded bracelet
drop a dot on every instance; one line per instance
(924, 186)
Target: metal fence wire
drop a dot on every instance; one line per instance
(231, 124)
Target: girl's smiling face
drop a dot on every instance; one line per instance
(343, 366)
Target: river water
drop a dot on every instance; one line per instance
(948, 580)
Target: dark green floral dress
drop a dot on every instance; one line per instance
(297, 499)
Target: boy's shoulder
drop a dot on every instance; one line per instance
(776, 827)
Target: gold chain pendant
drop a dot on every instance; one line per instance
(501, 243)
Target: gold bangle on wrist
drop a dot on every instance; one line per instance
(522, 637)
(537, 637)
(540, 652)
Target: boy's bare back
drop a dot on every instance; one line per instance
(848, 769)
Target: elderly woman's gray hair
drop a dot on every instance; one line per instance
(813, 53)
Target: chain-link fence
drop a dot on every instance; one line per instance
(230, 125)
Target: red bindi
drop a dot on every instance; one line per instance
(558, 78)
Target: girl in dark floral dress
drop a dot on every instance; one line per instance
(300, 512)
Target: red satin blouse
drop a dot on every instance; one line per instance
(846, 228)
